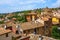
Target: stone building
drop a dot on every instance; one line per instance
(32, 27)
(47, 11)
(31, 16)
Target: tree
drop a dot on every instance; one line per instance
(1, 22)
(55, 32)
(1, 16)
(39, 10)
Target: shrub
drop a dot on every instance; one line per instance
(55, 32)
(1, 22)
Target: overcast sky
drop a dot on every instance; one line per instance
(19, 5)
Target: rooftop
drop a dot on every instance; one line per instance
(30, 25)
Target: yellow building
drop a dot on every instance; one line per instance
(54, 19)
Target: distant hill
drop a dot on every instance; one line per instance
(28, 11)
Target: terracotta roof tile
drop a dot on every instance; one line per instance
(30, 25)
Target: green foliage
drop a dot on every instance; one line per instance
(1, 22)
(9, 17)
(55, 32)
(26, 11)
(38, 10)
(18, 18)
(21, 19)
(1, 16)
